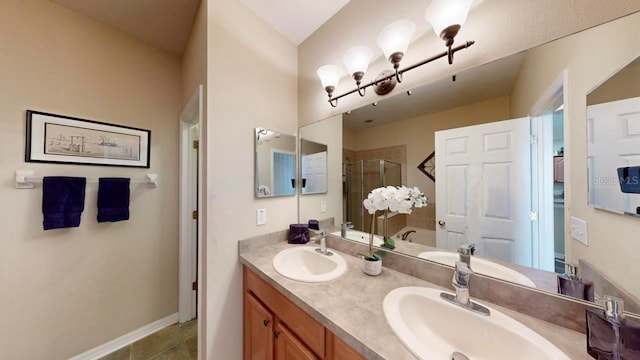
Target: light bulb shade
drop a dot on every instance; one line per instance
(395, 37)
(357, 59)
(329, 75)
(444, 13)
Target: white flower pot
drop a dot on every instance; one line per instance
(372, 268)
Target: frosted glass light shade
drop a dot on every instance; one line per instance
(357, 59)
(395, 37)
(329, 75)
(444, 13)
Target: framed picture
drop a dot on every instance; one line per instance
(62, 139)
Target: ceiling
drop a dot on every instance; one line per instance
(164, 23)
(295, 19)
(167, 23)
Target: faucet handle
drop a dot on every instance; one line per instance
(467, 249)
(320, 232)
(462, 273)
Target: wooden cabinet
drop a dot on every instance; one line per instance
(276, 328)
(288, 347)
(340, 350)
(260, 328)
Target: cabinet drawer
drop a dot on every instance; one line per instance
(301, 324)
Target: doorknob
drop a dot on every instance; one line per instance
(441, 222)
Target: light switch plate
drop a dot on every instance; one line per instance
(261, 216)
(578, 230)
(323, 206)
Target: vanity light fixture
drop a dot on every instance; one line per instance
(447, 18)
(357, 61)
(394, 42)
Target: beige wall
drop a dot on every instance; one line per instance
(327, 132)
(419, 135)
(69, 290)
(589, 57)
(625, 84)
(251, 81)
(499, 27)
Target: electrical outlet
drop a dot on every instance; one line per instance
(323, 206)
(261, 216)
(578, 230)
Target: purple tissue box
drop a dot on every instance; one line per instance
(314, 224)
(298, 233)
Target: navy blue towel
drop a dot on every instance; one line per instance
(62, 201)
(113, 199)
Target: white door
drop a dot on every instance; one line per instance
(483, 189)
(613, 135)
(314, 173)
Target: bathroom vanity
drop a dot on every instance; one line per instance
(341, 318)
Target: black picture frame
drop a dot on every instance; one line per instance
(53, 138)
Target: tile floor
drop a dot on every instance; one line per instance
(176, 342)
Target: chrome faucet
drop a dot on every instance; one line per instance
(344, 227)
(406, 234)
(321, 237)
(460, 282)
(465, 251)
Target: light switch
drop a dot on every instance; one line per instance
(578, 230)
(323, 206)
(261, 217)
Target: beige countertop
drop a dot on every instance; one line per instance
(351, 305)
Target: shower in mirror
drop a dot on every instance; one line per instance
(359, 178)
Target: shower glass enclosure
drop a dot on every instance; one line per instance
(359, 178)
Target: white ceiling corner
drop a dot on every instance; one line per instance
(295, 19)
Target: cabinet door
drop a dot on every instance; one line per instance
(340, 350)
(288, 347)
(258, 333)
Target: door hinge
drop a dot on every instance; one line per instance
(534, 216)
(194, 214)
(533, 139)
(194, 286)
(196, 144)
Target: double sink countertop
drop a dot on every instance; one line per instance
(351, 305)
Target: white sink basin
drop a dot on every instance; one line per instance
(480, 266)
(361, 237)
(432, 328)
(304, 263)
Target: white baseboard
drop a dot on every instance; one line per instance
(127, 339)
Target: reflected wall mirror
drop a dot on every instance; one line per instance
(275, 163)
(613, 140)
(531, 91)
(313, 167)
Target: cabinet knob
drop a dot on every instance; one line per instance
(276, 334)
(266, 322)
(441, 222)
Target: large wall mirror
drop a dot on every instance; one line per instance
(613, 139)
(500, 134)
(275, 163)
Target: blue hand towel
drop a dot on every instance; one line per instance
(113, 199)
(62, 201)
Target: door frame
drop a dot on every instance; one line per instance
(542, 189)
(190, 234)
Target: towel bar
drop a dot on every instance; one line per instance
(24, 179)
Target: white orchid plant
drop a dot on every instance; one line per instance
(399, 199)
